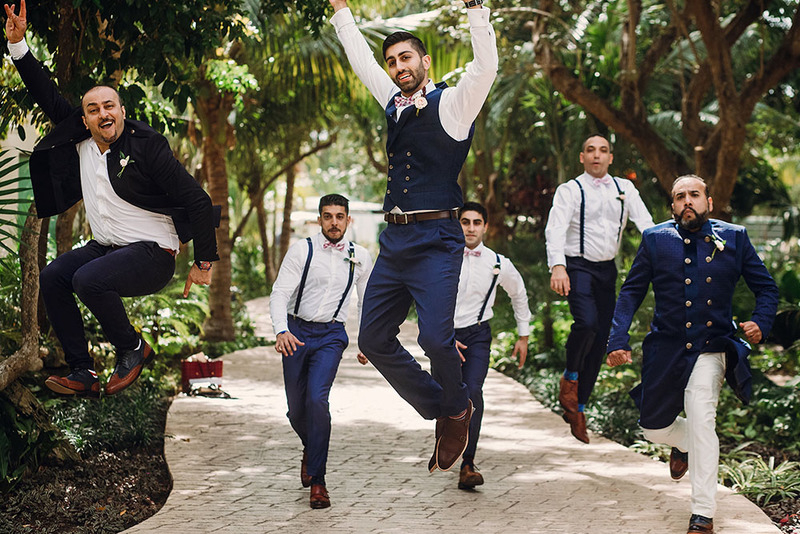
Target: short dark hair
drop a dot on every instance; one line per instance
(119, 98)
(610, 146)
(687, 177)
(474, 206)
(334, 200)
(399, 37)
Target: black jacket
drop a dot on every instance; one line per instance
(153, 180)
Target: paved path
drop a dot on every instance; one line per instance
(235, 465)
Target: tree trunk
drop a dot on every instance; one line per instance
(213, 108)
(261, 213)
(286, 227)
(64, 229)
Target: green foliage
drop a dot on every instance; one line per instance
(22, 444)
(761, 481)
(15, 197)
(248, 277)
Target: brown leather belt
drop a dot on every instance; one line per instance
(411, 218)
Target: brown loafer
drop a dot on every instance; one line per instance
(432, 464)
(678, 463)
(469, 477)
(453, 442)
(568, 394)
(305, 478)
(79, 383)
(577, 425)
(129, 366)
(699, 523)
(319, 497)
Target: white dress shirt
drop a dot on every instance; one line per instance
(459, 105)
(602, 233)
(325, 283)
(477, 273)
(114, 221)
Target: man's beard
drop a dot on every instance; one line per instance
(332, 239)
(416, 79)
(693, 224)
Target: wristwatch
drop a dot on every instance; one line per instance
(203, 265)
(473, 3)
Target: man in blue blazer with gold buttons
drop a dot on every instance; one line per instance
(694, 264)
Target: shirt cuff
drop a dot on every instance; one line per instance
(478, 18)
(18, 50)
(342, 18)
(524, 330)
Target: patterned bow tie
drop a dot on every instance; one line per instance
(400, 101)
(602, 181)
(469, 252)
(337, 246)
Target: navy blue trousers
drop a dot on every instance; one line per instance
(591, 299)
(308, 376)
(100, 275)
(478, 339)
(421, 263)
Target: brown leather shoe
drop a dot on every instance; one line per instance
(319, 497)
(455, 435)
(678, 463)
(432, 464)
(699, 523)
(80, 383)
(568, 394)
(129, 366)
(469, 477)
(577, 425)
(305, 478)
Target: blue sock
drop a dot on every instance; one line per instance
(570, 375)
(581, 407)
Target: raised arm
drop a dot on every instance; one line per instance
(360, 55)
(39, 84)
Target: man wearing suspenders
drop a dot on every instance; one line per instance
(481, 272)
(309, 305)
(583, 233)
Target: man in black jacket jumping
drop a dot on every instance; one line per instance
(140, 203)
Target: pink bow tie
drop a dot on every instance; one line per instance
(337, 246)
(602, 181)
(400, 101)
(469, 252)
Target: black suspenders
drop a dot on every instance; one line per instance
(583, 210)
(352, 261)
(491, 287)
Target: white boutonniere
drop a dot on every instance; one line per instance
(123, 162)
(420, 102)
(719, 244)
(621, 197)
(496, 270)
(352, 260)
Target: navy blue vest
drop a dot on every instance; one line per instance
(424, 161)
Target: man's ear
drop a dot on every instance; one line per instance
(83, 118)
(426, 62)
(124, 116)
(710, 204)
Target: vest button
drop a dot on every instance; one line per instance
(687, 261)
(688, 303)
(407, 178)
(708, 259)
(687, 240)
(709, 323)
(708, 302)
(688, 346)
(405, 190)
(408, 166)
(391, 166)
(688, 281)
(388, 191)
(389, 179)
(689, 324)
(408, 154)
(391, 154)
(708, 280)
(707, 239)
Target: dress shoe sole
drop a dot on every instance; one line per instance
(54, 386)
(319, 505)
(133, 375)
(432, 464)
(572, 431)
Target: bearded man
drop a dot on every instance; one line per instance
(694, 264)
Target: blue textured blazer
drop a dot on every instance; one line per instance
(693, 276)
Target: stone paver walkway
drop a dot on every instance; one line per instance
(235, 464)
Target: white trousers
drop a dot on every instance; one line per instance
(696, 433)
